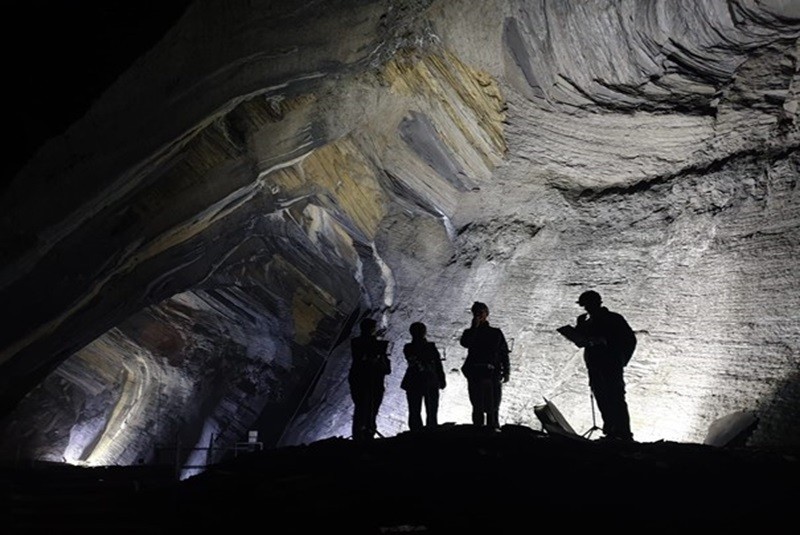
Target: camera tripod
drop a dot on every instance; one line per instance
(588, 433)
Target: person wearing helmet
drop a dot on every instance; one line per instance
(486, 367)
(609, 345)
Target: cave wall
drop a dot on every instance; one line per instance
(186, 263)
(652, 200)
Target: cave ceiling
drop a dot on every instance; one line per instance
(184, 263)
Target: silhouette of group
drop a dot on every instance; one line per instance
(486, 368)
(606, 338)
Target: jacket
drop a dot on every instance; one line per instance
(618, 341)
(487, 353)
(370, 358)
(424, 370)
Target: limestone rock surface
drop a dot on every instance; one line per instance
(187, 262)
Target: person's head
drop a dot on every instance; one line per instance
(590, 300)
(418, 330)
(479, 311)
(368, 326)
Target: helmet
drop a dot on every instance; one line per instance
(589, 297)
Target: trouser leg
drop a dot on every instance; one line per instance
(598, 382)
(414, 399)
(476, 398)
(432, 407)
(618, 405)
(608, 387)
(360, 415)
(362, 428)
(375, 404)
(495, 392)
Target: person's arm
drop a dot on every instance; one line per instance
(504, 359)
(382, 356)
(437, 366)
(466, 337)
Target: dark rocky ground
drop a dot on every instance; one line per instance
(456, 479)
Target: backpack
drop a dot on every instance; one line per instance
(629, 347)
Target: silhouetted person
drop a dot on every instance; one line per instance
(486, 366)
(609, 345)
(423, 379)
(368, 369)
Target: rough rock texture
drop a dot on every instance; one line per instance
(187, 261)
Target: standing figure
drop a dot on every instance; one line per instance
(608, 346)
(486, 366)
(423, 379)
(368, 369)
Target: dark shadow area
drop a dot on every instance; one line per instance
(451, 479)
(61, 56)
(778, 415)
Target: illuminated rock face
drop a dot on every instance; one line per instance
(215, 226)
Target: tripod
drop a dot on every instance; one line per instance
(588, 433)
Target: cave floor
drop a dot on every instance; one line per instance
(453, 479)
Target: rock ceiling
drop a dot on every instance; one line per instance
(184, 263)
